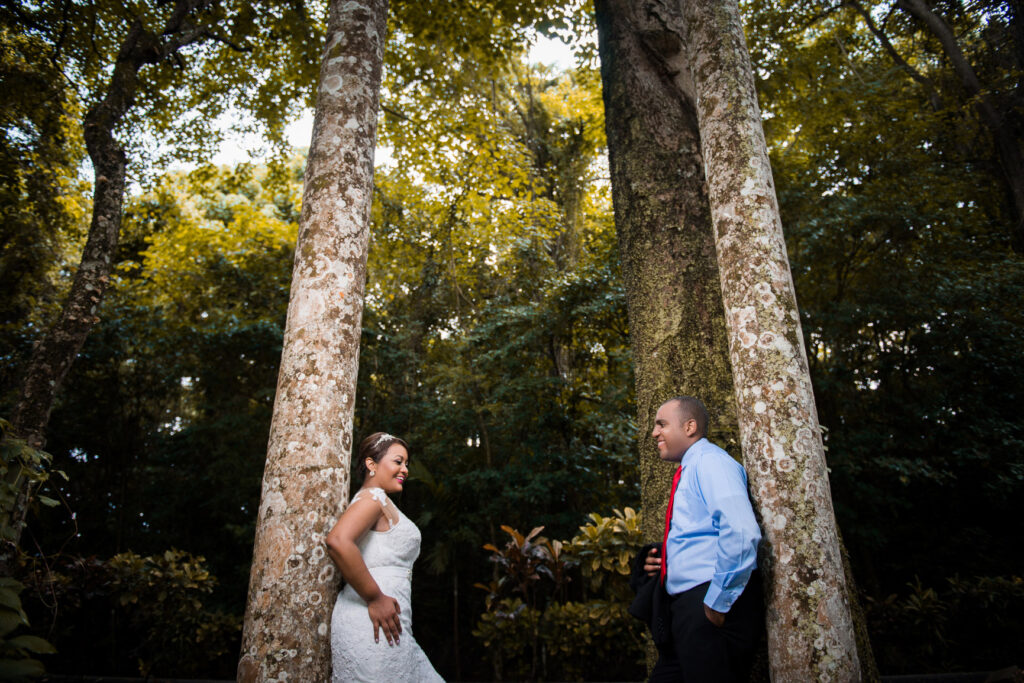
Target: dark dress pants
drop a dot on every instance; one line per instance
(701, 652)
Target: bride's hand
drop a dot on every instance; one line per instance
(384, 611)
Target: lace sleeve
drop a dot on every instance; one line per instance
(377, 494)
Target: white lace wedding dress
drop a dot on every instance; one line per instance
(389, 555)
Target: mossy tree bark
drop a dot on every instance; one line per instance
(676, 319)
(293, 585)
(810, 627)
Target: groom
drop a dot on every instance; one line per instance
(711, 537)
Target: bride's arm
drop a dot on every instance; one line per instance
(359, 518)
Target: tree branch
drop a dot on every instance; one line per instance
(846, 56)
(59, 42)
(217, 38)
(394, 112)
(15, 9)
(1005, 139)
(826, 12)
(933, 95)
(941, 30)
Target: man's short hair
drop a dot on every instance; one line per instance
(691, 408)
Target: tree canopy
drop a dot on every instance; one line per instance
(495, 335)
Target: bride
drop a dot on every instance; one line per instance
(374, 545)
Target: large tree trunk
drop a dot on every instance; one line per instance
(676, 320)
(810, 628)
(292, 586)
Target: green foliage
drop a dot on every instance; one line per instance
(149, 614)
(605, 548)
(592, 640)
(522, 562)
(509, 631)
(163, 425)
(929, 630)
(17, 652)
(180, 100)
(538, 630)
(169, 589)
(22, 468)
(43, 204)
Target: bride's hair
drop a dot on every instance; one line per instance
(374, 447)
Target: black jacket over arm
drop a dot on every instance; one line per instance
(651, 604)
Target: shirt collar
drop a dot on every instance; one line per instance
(693, 451)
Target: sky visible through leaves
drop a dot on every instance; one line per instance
(238, 148)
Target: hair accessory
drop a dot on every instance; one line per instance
(381, 438)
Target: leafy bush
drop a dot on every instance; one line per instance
(17, 660)
(134, 615)
(130, 614)
(604, 549)
(538, 629)
(509, 631)
(594, 640)
(22, 469)
(950, 629)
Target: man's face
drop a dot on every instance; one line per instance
(673, 432)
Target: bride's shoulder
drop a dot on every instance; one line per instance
(373, 493)
(378, 494)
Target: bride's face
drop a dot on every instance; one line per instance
(392, 469)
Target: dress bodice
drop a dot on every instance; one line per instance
(399, 546)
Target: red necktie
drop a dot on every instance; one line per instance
(668, 522)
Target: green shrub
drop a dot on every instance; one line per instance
(17, 652)
(538, 628)
(22, 470)
(932, 630)
(595, 640)
(509, 631)
(135, 615)
(604, 550)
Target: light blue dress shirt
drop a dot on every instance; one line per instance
(714, 535)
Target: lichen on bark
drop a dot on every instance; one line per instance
(676, 320)
(811, 634)
(292, 583)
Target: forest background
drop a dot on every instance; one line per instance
(495, 336)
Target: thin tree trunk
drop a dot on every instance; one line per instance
(293, 584)
(676, 319)
(810, 628)
(57, 349)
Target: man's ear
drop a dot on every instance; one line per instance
(690, 427)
